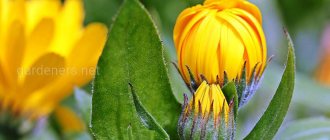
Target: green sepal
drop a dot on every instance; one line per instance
(229, 90)
(245, 90)
(193, 84)
(225, 78)
(241, 84)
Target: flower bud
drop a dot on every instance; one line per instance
(219, 42)
(222, 40)
(207, 115)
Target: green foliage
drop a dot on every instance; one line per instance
(133, 54)
(295, 11)
(273, 117)
(101, 10)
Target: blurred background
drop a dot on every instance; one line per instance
(308, 22)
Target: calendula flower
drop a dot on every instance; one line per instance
(220, 36)
(323, 69)
(219, 42)
(45, 51)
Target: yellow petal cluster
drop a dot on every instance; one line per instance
(209, 99)
(44, 52)
(220, 36)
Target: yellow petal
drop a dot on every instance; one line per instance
(202, 43)
(180, 36)
(196, 47)
(90, 44)
(189, 59)
(258, 30)
(209, 42)
(39, 101)
(1, 20)
(17, 11)
(184, 18)
(249, 38)
(15, 42)
(222, 4)
(231, 52)
(223, 102)
(198, 96)
(69, 27)
(252, 9)
(41, 74)
(3, 83)
(11, 11)
(40, 9)
(3, 28)
(68, 120)
(217, 101)
(206, 101)
(38, 41)
(44, 71)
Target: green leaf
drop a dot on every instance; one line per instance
(294, 13)
(133, 54)
(229, 90)
(306, 129)
(273, 117)
(146, 118)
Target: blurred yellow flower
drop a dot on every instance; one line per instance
(45, 51)
(323, 69)
(216, 43)
(68, 120)
(220, 36)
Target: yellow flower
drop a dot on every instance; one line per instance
(45, 51)
(218, 42)
(220, 36)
